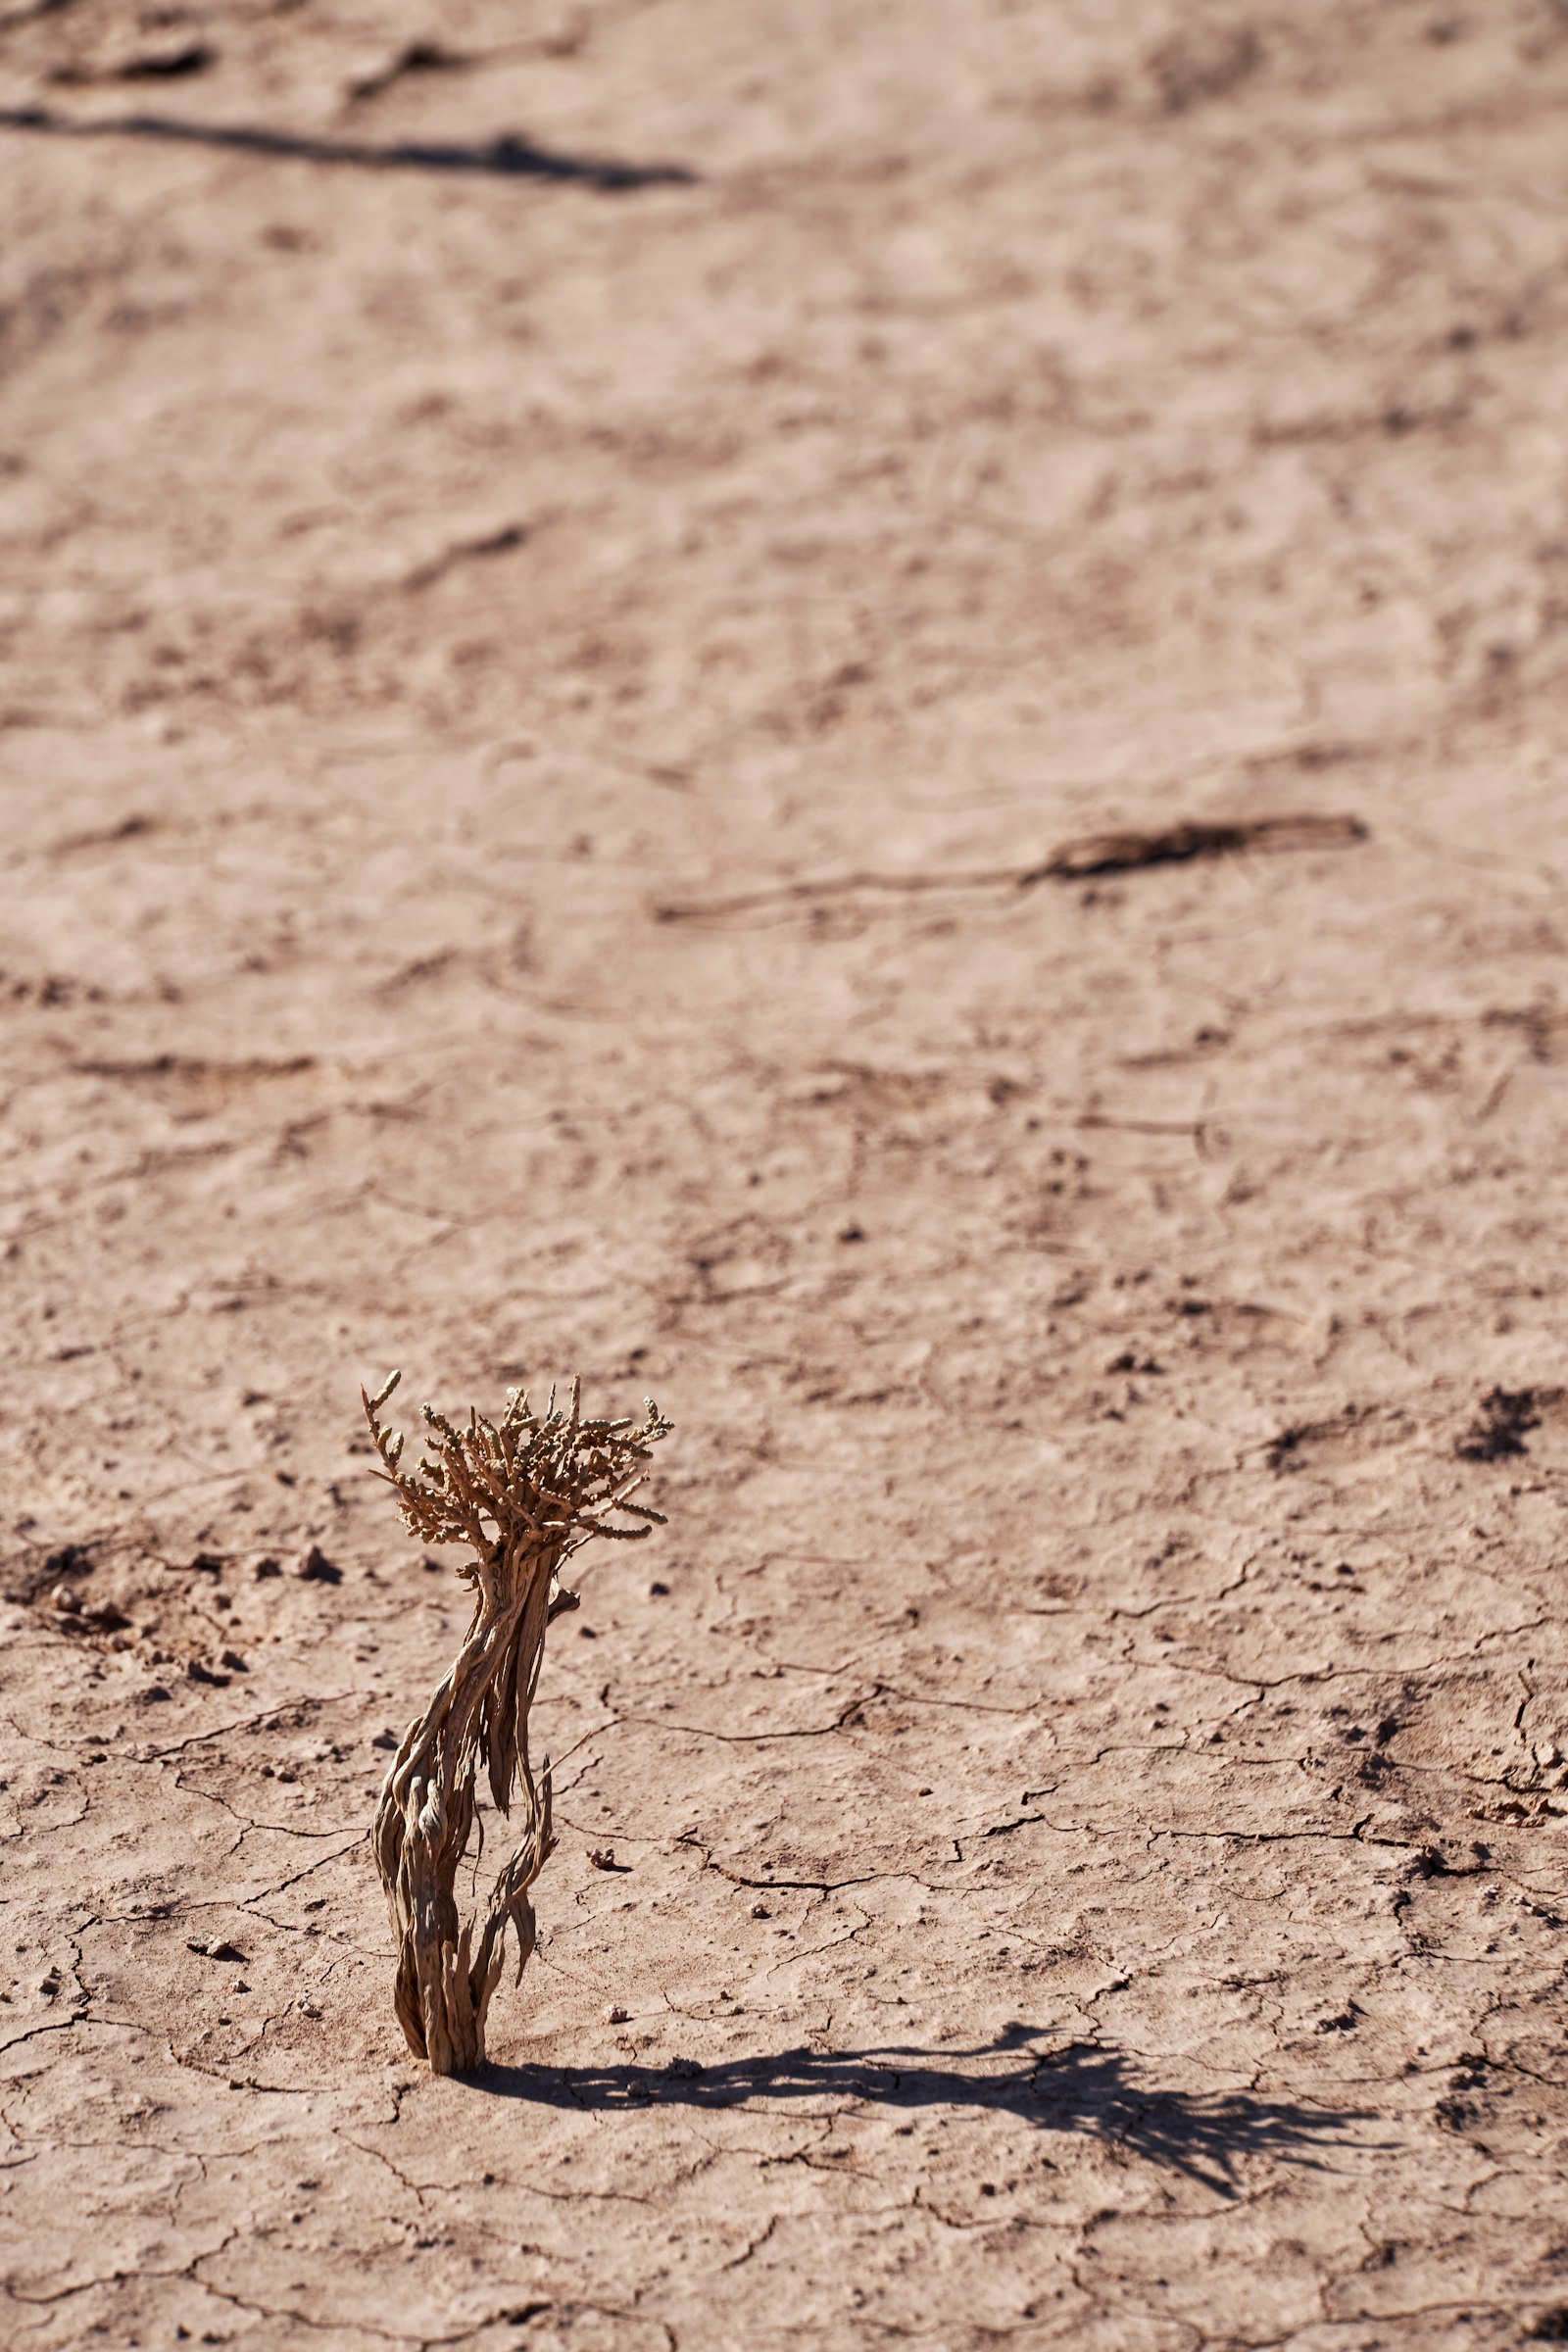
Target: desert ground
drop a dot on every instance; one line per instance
(853, 713)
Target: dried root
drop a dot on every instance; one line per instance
(522, 1494)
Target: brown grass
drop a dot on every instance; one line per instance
(522, 1494)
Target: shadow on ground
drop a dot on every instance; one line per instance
(505, 158)
(1081, 2088)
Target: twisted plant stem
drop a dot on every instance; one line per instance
(521, 1493)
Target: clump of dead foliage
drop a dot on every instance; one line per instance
(520, 1493)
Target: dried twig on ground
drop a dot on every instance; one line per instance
(1175, 844)
(522, 1494)
(1073, 862)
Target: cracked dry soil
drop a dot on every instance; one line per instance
(560, 580)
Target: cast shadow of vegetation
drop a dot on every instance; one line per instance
(508, 157)
(1082, 2088)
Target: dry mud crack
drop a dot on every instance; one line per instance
(854, 715)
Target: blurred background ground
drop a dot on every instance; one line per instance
(563, 569)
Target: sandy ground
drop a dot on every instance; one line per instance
(565, 572)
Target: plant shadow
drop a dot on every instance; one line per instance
(1081, 2087)
(508, 157)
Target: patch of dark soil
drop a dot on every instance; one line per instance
(1504, 1420)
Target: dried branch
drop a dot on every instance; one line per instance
(521, 1493)
(1072, 861)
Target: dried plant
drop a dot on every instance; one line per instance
(522, 1494)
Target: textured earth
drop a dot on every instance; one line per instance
(582, 590)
